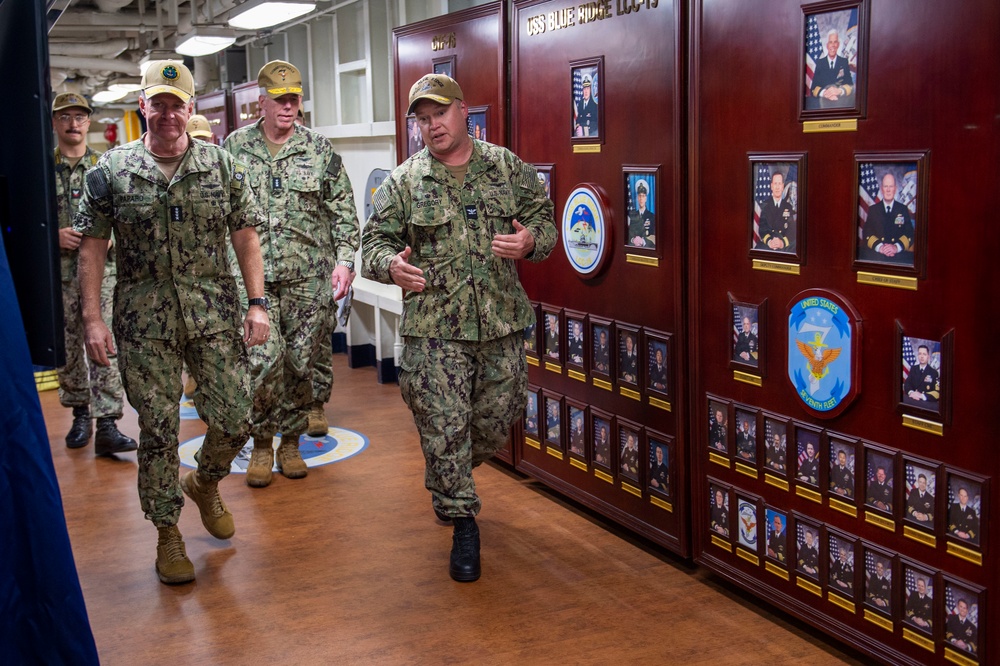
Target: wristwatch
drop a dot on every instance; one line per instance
(348, 264)
(262, 302)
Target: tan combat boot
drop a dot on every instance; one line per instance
(214, 514)
(290, 462)
(261, 463)
(317, 426)
(172, 563)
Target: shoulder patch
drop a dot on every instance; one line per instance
(380, 202)
(528, 177)
(333, 168)
(97, 182)
(239, 176)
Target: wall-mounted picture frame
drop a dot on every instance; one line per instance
(552, 333)
(964, 614)
(586, 78)
(746, 343)
(776, 536)
(924, 379)
(746, 436)
(776, 445)
(657, 359)
(576, 339)
(967, 509)
(718, 426)
(807, 455)
(841, 571)
(719, 522)
(602, 432)
(880, 479)
(576, 426)
(547, 177)
(641, 187)
(747, 528)
(777, 226)
(629, 456)
(445, 65)
(661, 463)
(414, 139)
(834, 60)
(807, 547)
(552, 407)
(629, 364)
(603, 352)
(880, 578)
(918, 596)
(478, 121)
(531, 345)
(842, 461)
(891, 213)
(920, 489)
(532, 414)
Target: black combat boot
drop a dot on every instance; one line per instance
(82, 429)
(110, 440)
(465, 551)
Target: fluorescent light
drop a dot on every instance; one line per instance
(125, 84)
(257, 14)
(106, 96)
(202, 41)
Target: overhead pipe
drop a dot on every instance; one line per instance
(94, 64)
(109, 48)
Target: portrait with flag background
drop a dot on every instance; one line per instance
(918, 613)
(891, 212)
(777, 205)
(834, 63)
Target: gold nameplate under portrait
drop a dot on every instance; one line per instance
(660, 404)
(810, 495)
(918, 640)
(882, 280)
(721, 544)
(880, 521)
(579, 464)
(776, 267)
(775, 481)
(746, 470)
(555, 453)
(809, 587)
(642, 260)
(813, 126)
(748, 556)
(838, 600)
(629, 393)
(920, 536)
(843, 507)
(603, 476)
(601, 384)
(535, 444)
(747, 378)
(553, 367)
(718, 460)
(532, 361)
(663, 504)
(577, 375)
(956, 658)
(586, 148)
(776, 570)
(966, 554)
(923, 425)
(631, 490)
(878, 620)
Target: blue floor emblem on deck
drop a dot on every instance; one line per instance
(338, 444)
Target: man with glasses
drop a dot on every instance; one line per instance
(91, 389)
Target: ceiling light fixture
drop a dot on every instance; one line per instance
(126, 84)
(258, 14)
(204, 40)
(106, 96)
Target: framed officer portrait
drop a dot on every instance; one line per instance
(776, 536)
(601, 345)
(553, 409)
(923, 378)
(602, 434)
(547, 177)
(920, 490)
(747, 529)
(834, 60)
(842, 479)
(586, 79)
(531, 414)
(807, 547)
(661, 448)
(891, 217)
(964, 612)
(531, 335)
(879, 579)
(445, 65)
(841, 576)
(628, 355)
(414, 139)
(656, 357)
(777, 207)
(746, 436)
(477, 122)
(918, 596)
(879, 479)
(775, 445)
(745, 343)
(719, 523)
(718, 426)
(807, 452)
(967, 503)
(576, 340)
(629, 457)
(576, 420)
(551, 333)
(640, 189)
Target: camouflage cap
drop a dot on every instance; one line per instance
(199, 126)
(69, 101)
(168, 76)
(435, 87)
(280, 78)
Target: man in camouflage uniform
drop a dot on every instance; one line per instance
(83, 384)
(448, 226)
(310, 231)
(170, 201)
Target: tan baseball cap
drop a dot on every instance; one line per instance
(436, 87)
(168, 76)
(199, 126)
(69, 101)
(280, 78)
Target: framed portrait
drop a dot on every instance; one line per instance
(531, 334)
(661, 448)
(918, 596)
(718, 426)
(586, 79)
(746, 436)
(807, 546)
(576, 423)
(842, 478)
(477, 122)
(834, 60)
(553, 409)
(414, 139)
(776, 445)
(963, 615)
(878, 579)
(920, 489)
(551, 333)
(547, 177)
(629, 436)
(718, 509)
(641, 186)
(602, 434)
(776, 536)
(748, 532)
(628, 354)
(967, 504)
(445, 66)
(891, 214)
(879, 479)
(531, 414)
(923, 381)
(656, 353)
(601, 340)
(576, 339)
(777, 207)
(807, 448)
(840, 570)
(745, 343)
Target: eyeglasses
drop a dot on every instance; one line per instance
(77, 118)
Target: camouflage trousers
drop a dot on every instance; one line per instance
(464, 397)
(81, 381)
(323, 370)
(151, 373)
(282, 368)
